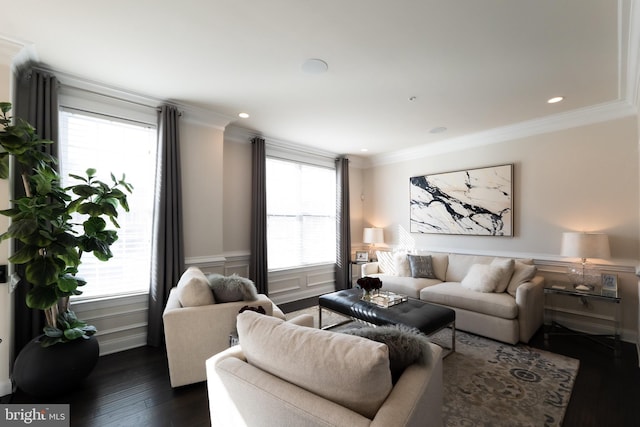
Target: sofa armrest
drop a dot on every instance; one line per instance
(530, 302)
(302, 320)
(193, 334)
(369, 268)
(416, 399)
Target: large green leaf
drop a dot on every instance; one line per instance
(25, 254)
(67, 283)
(94, 225)
(42, 297)
(44, 270)
(90, 208)
(23, 228)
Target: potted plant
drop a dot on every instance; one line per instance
(55, 226)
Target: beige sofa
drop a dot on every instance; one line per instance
(196, 327)
(283, 374)
(489, 297)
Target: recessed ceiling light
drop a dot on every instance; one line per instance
(314, 66)
(243, 115)
(364, 150)
(555, 99)
(438, 129)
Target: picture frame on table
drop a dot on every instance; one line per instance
(362, 256)
(609, 284)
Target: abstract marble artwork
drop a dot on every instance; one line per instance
(473, 202)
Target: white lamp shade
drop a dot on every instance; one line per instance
(373, 235)
(585, 245)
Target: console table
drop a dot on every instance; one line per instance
(568, 290)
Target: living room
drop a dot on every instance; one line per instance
(575, 169)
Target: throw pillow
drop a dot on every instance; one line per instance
(421, 266)
(505, 267)
(401, 264)
(385, 263)
(232, 288)
(193, 289)
(481, 278)
(522, 273)
(406, 345)
(350, 371)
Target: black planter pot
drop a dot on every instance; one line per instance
(42, 372)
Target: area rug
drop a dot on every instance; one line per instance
(488, 383)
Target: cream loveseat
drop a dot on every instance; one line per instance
(283, 374)
(196, 327)
(496, 297)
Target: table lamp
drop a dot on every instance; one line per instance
(373, 236)
(585, 245)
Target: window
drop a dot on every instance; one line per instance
(116, 146)
(301, 214)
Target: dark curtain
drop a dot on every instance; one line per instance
(258, 271)
(167, 263)
(36, 102)
(343, 227)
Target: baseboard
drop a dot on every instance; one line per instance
(6, 387)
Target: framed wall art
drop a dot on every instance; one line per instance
(475, 202)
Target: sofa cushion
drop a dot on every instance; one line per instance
(193, 289)
(385, 263)
(440, 262)
(459, 265)
(522, 273)
(232, 288)
(348, 370)
(481, 278)
(401, 264)
(505, 268)
(406, 345)
(452, 294)
(421, 266)
(408, 286)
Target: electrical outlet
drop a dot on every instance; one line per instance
(3, 274)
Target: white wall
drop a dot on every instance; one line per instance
(8, 51)
(585, 178)
(201, 151)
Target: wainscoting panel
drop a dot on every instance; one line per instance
(121, 321)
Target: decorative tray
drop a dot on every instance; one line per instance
(388, 299)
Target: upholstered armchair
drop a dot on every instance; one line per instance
(196, 326)
(282, 374)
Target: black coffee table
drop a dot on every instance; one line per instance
(426, 317)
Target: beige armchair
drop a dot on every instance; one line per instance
(288, 375)
(196, 328)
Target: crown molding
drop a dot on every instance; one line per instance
(571, 119)
(14, 52)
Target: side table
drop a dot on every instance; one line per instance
(568, 290)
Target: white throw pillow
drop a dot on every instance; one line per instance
(385, 263)
(522, 273)
(401, 263)
(505, 267)
(193, 289)
(480, 278)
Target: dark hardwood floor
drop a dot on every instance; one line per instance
(132, 389)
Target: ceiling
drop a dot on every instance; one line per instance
(396, 69)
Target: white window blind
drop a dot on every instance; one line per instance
(301, 214)
(116, 146)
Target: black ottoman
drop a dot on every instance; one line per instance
(426, 317)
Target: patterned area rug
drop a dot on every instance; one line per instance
(488, 383)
